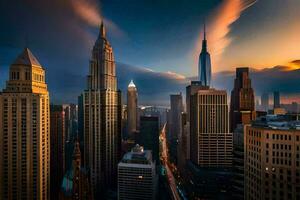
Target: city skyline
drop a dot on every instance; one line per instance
(184, 26)
(210, 119)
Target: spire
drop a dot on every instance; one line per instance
(102, 29)
(204, 42)
(204, 32)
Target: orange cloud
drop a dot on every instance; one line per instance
(88, 11)
(219, 27)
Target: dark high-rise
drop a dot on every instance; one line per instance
(204, 67)
(242, 108)
(149, 135)
(276, 99)
(174, 124)
(57, 150)
(102, 117)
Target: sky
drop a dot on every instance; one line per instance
(156, 40)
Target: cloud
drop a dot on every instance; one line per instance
(218, 29)
(89, 12)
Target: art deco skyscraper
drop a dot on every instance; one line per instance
(242, 99)
(132, 109)
(25, 131)
(204, 66)
(102, 116)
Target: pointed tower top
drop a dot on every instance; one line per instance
(102, 29)
(204, 42)
(26, 58)
(131, 84)
(204, 32)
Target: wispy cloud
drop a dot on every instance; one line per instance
(89, 12)
(218, 28)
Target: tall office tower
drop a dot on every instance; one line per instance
(25, 131)
(102, 117)
(211, 142)
(132, 104)
(148, 136)
(276, 99)
(242, 108)
(272, 164)
(175, 121)
(265, 102)
(57, 150)
(75, 183)
(137, 178)
(204, 66)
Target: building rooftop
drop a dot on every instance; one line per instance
(138, 156)
(280, 122)
(26, 58)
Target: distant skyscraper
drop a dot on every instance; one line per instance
(132, 104)
(75, 183)
(265, 102)
(204, 67)
(276, 99)
(25, 131)
(174, 124)
(272, 164)
(80, 128)
(102, 117)
(137, 177)
(148, 136)
(242, 99)
(211, 142)
(57, 143)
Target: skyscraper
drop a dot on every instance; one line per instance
(272, 164)
(132, 109)
(265, 102)
(137, 178)
(204, 66)
(25, 131)
(276, 99)
(174, 124)
(242, 99)
(57, 143)
(211, 142)
(148, 136)
(102, 117)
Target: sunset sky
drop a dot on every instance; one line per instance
(162, 36)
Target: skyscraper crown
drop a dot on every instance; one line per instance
(131, 84)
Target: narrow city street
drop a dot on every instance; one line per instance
(165, 160)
